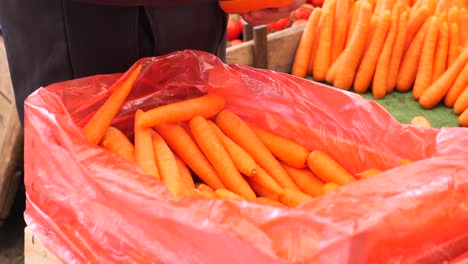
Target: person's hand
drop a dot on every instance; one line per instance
(270, 15)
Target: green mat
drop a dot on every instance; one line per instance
(403, 107)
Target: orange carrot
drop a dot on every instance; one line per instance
(209, 195)
(168, 168)
(144, 152)
(346, 70)
(226, 194)
(242, 160)
(262, 191)
(426, 61)
(96, 127)
(305, 179)
(330, 78)
(214, 151)
(452, 95)
(443, 5)
(267, 182)
(304, 49)
(284, 149)
(235, 128)
(462, 102)
(387, 5)
(380, 80)
(184, 173)
(454, 15)
(464, 24)
(463, 118)
(117, 142)
(339, 29)
(420, 121)
(460, 84)
(206, 106)
(453, 44)
(415, 24)
(180, 141)
(409, 65)
(352, 21)
(268, 201)
(323, 61)
(369, 62)
(440, 61)
(294, 197)
(397, 53)
(369, 173)
(437, 90)
(329, 170)
(205, 188)
(328, 188)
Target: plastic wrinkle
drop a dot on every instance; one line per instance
(89, 206)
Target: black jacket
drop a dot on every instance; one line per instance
(49, 41)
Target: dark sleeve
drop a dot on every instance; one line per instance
(144, 2)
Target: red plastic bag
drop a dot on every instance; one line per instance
(89, 206)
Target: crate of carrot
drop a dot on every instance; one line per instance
(183, 153)
(417, 46)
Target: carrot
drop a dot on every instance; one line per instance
(206, 106)
(184, 173)
(144, 151)
(214, 151)
(294, 197)
(369, 173)
(437, 90)
(420, 121)
(204, 188)
(378, 6)
(463, 118)
(461, 82)
(168, 168)
(328, 188)
(326, 168)
(324, 48)
(415, 24)
(443, 5)
(397, 53)
(267, 182)
(117, 142)
(262, 191)
(339, 29)
(242, 160)
(96, 127)
(204, 194)
(462, 102)
(352, 21)
(426, 61)
(454, 15)
(369, 62)
(226, 194)
(305, 179)
(440, 61)
(235, 128)
(313, 53)
(464, 24)
(432, 6)
(330, 78)
(453, 93)
(283, 148)
(453, 44)
(180, 141)
(380, 80)
(268, 201)
(304, 49)
(346, 70)
(387, 5)
(409, 65)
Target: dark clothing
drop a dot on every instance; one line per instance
(49, 41)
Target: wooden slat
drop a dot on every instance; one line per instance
(35, 252)
(10, 139)
(281, 47)
(260, 47)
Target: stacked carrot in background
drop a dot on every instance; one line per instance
(382, 45)
(198, 148)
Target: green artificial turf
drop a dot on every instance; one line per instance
(403, 107)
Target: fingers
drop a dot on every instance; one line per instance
(264, 16)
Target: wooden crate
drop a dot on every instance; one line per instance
(10, 139)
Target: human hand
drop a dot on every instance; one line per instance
(270, 15)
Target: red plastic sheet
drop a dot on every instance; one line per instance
(89, 206)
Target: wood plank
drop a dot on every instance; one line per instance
(35, 252)
(281, 50)
(11, 139)
(260, 47)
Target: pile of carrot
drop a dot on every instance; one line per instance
(385, 45)
(197, 147)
